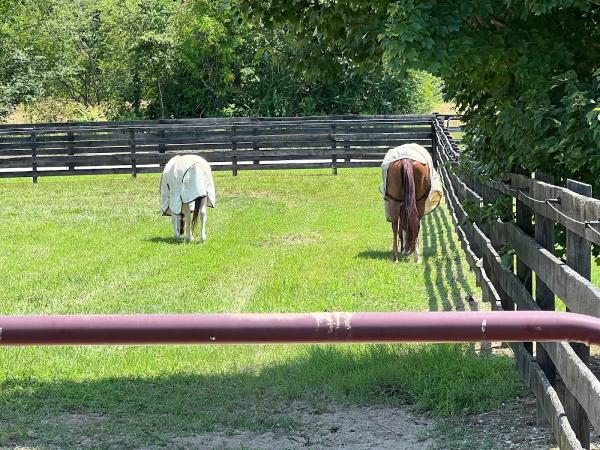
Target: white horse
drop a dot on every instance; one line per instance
(186, 189)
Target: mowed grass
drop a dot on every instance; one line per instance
(295, 241)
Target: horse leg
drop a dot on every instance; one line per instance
(175, 222)
(421, 213)
(203, 216)
(395, 241)
(188, 222)
(395, 216)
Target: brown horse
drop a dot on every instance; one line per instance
(407, 188)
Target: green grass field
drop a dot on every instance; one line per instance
(277, 242)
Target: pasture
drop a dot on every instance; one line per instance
(289, 241)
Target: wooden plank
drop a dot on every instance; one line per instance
(17, 162)
(524, 220)
(572, 212)
(579, 294)
(354, 149)
(145, 125)
(34, 157)
(578, 378)
(355, 164)
(579, 258)
(544, 297)
(547, 397)
(281, 166)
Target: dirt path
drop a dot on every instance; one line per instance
(512, 426)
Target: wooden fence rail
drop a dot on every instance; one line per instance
(229, 144)
(486, 242)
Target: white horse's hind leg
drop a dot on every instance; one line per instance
(185, 209)
(175, 222)
(203, 216)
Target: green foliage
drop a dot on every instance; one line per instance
(526, 74)
(53, 109)
(159, 58)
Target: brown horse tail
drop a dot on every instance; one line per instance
(195, 214)
(409, 216)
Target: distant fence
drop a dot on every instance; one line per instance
(228, 144)
(508, 285)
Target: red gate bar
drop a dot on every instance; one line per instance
(300, 328)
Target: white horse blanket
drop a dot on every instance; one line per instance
(184, 179)
(416, 153)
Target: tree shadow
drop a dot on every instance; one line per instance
(155, 411)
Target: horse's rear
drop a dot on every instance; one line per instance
(407, 187)
(187, 188)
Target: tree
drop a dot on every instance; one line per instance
(87, 59)
(526, 74)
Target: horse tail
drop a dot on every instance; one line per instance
(409, 216)
(195, 214)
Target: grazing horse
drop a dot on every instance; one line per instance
(186, 189)
(411, 189)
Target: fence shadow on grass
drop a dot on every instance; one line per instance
(444, 274)
(135, 412)
(443, 270)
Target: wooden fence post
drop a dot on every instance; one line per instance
(34, 157)
(71, 147)
(333, 147)
(132, 147)
(347, 144)
(434, 142)
(490, 196)
(579, 258)
(524, 220)
(162, 147)
(544, 235)
(234, 164)
(256, 148)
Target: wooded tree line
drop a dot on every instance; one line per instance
(525, 73)
(111, 59)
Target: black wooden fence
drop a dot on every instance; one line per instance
(228, 144)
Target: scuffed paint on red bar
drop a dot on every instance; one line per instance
(299, 328)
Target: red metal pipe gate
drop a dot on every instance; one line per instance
(343, 327)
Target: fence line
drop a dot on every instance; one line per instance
(229, 144)
(486, 241)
